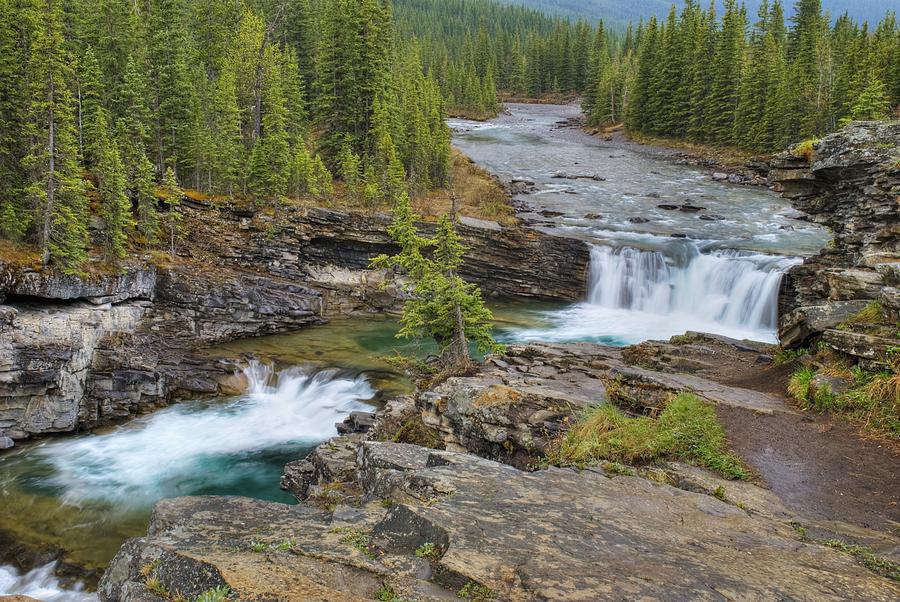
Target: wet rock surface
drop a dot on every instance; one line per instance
(491, 527)
(427, 524)
(851, 185)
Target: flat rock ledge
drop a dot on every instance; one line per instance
(383, 519)
(495, 532)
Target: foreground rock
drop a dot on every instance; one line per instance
(494, 531)
(456, 517)
(851, 185)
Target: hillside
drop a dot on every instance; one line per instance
(622, 11)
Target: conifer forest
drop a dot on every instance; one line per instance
(109, 107)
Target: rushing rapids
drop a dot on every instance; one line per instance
(105, 485)
(674, 249)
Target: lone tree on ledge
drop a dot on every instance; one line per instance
(441, 304)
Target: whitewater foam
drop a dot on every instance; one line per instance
(635, 295)
(164, 454)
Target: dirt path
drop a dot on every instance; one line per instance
(818, 465)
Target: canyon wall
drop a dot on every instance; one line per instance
(851, 184)
(80, 351)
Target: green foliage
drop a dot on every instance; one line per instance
(358, 540)
(873, 400)
(687, 429)
(386, 593)
(172, 218)
(219, 594)
(806, 148)
(429, 551)
(227, 95)
(442, 305)
(786, 356)
(700, 76)
(476, 592)
(866, 557)
(798, 385)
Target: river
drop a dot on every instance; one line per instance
(655, 272)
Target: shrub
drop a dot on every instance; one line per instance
(806, 148)
(687, 429)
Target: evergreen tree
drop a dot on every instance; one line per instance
(115, 207)
(55, 186)
(171, 219)
(441, 304)
(91, 113)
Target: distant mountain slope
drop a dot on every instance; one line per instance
(622, 11)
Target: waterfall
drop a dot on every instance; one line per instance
(635, 295)
(733, 288)
(207, 445)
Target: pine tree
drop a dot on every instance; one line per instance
(55, 188)
(115, 207)
(171, 219)
(91, 113)
(270, 159)
(16, 215)
(873, 102)
(348, 164)
(726, 74)
(441, 304)
(321, 180)
(143, 187)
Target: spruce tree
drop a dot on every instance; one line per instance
(172, 217)
(55, 186)
(115, 206)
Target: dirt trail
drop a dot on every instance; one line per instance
(818, 465)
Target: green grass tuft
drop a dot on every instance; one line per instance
(798, 385)
(476, 592)
(687, 429)
(219, 594)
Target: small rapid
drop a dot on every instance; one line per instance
(41, 584)
(94, 491)
(635, 295)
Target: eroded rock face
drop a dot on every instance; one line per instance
(851, 185)
(76, 352)
(556, 534)
(135, 282)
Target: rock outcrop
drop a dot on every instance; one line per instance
(79, 351)
(444, 525)
(851, 184)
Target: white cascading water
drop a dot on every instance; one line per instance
(183, 449)
(635, 295)
(40, 584)
(152, 457)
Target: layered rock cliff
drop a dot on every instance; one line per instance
(851, 184)
(79, 351)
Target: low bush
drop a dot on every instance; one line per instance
(687, 429)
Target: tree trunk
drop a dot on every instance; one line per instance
(51, 178)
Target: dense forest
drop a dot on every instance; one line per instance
(618, 13)
(716, 79)
(108, 108)
(477, 48)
